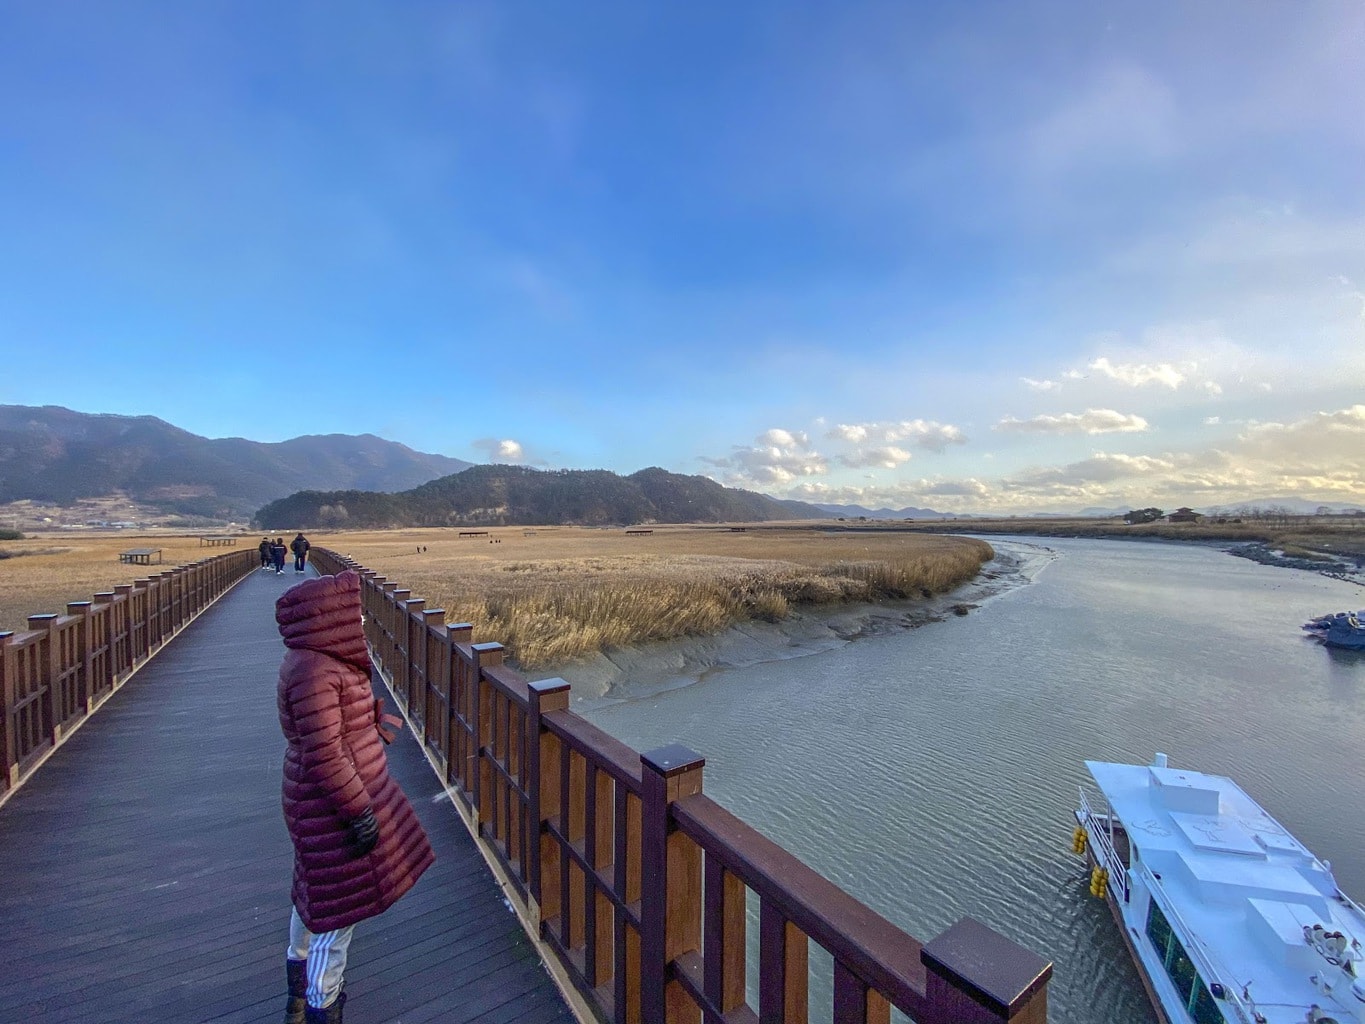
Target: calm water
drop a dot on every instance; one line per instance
(932, 773)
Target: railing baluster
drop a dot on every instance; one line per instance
(724, 929)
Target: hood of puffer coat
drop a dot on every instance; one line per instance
(323, 615)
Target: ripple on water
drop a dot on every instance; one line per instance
(932, 773)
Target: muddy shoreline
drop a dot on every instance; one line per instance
(634, 673)
(630, 674)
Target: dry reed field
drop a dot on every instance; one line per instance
(555, 593)
(45, 571)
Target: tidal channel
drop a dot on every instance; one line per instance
(932, 772)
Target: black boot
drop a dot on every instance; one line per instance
(296, 971)
(327, 1014)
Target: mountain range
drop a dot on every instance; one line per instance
(517, 495)
(52, 454)
(909, 512)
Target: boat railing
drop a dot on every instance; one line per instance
(1098, 830)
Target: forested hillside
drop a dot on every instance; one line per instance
(516, 495)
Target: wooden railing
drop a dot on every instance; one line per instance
(635, 882)
(56, 673)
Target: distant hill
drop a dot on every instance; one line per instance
(52, 454)
(854, 511)
(516, 495)
(1293, 505)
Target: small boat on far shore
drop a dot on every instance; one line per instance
(1339, 629)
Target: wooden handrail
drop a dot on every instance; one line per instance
(852, 932)
(634, 881)
(61, 670)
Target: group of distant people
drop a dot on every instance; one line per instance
(273, 553)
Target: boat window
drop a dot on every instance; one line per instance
(1181, 969)
(1158, 930)
(1204, 1009)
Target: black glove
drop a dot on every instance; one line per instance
(364, 833)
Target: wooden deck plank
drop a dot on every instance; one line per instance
(144, 870)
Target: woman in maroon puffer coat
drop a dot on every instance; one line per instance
(358, 845)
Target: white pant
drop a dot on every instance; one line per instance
(326, 956)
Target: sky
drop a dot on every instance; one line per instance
(977, 257)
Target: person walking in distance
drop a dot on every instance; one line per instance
(358, 845)
(299, 545)
(277, 550)
(264, 548)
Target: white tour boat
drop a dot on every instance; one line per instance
(1229, 917)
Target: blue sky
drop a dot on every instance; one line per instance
(972, 256)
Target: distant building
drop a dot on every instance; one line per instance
(1184, 515)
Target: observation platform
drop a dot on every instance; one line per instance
(146, 866)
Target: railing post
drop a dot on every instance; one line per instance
(432, 618)
(104, 608)
(542, 790)
(52, 727)
(670, 884)
(389, 612)
(977, 976)
(146, 589)
(127, 657)
(370, 583)
(9, 742)
(86, 673)
(412, 616)
(457, 740)
(485, 656)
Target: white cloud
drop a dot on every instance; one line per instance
(926, 434)
(1137, 375)
(970, 487)
(1212, 421)
(1092, 421)
(778, 458)
(505, 450)
(1212, 387)
(888, 457)
(1319, 458)
(1325, 437)
(779, 438)
(1099, 468)
(896, 494)
(1041, 385)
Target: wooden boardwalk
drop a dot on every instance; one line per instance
(145, 869)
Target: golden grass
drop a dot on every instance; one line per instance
(46, 571)
(556, 593)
